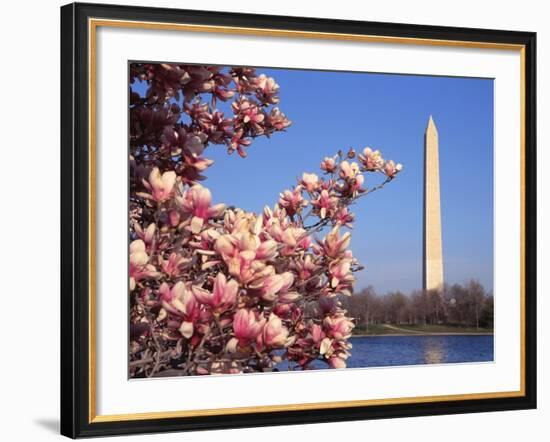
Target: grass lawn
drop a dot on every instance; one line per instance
(404, 329)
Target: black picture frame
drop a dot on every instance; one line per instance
(75, 219)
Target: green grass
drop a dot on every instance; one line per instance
(375, 329)
(403, 329)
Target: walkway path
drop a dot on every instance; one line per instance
(399, 329)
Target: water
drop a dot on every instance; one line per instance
(381, 351)
(384, 351)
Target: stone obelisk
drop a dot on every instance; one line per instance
(433, 249)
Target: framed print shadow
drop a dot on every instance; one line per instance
(273, 220)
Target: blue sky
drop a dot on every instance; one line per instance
(336, 110)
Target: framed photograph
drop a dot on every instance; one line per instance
(274, 220)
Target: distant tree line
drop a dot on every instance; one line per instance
(468, 305)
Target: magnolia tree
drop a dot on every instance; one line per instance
(217, 289)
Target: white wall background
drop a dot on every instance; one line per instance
(29, 219)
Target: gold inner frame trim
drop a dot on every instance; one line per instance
(93, 24)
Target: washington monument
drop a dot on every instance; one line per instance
(432, 275)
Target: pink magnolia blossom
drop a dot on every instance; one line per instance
(160, 186)
(288, 297)
(349, 170)
(340, 271)
(139, 264)
(245, 254)
(239, 256)
(146, 235)
(173, 265)
(275, 333)
(266, 250)
(223, 295)
(310, 181)
(317, 334)
(344, 217)
(276, 120)
(292, 201)
(305, 266)
(391, 169)
(245, 78)
(223, 94)
(180, 301)
(338, 327)
(371, 160)
(238, 142)
(269, 286)
(218, 128)
(353, 186)
(288, 281)
(248, 112)
(198, 111)
(333, 245)
(325, 204)
(352, 179)
(196, 202)
(267, 89)
(329, 165)
(191, 167)
(247, 326)
(336, 362)
(294, 238)
(201, 80)
(325, 347)
(180, 141)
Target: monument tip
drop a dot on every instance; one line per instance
(431, 123)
